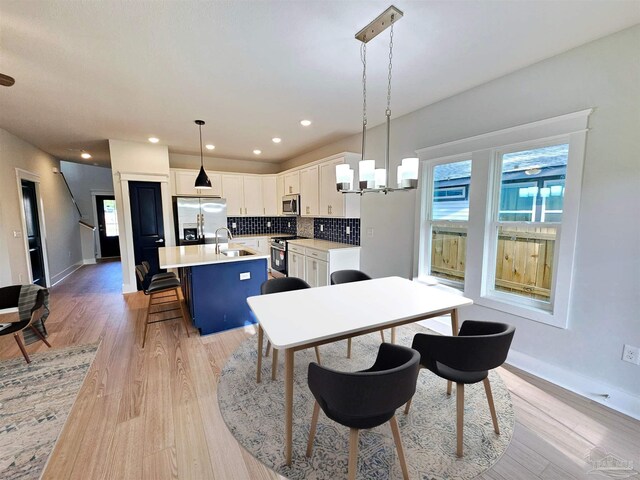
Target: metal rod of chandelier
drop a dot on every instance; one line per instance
(370, 178)
(202, 180)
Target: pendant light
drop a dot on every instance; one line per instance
(372, 179)
(202, 180)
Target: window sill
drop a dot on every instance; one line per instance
(530, 312)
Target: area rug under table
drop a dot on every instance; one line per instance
(35, 401)
(255, 415)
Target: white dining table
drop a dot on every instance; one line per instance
(301, 319)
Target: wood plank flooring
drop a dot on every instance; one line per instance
(153, 413)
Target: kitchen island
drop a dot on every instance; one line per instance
(217, 285)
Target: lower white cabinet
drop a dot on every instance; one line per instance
(315, 265)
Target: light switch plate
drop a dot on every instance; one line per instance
(321, 228)
(369, 232)
(348, 230)
(233, 225)
(245, 276)
(268, 224)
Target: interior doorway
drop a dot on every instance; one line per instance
(33, 234)
(108, 234)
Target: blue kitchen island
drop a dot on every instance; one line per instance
(216, 285)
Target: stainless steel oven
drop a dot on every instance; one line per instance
(278, 257)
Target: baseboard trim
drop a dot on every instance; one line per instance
(56, 279)
(617, 399)
(128, 288)
(89, 261)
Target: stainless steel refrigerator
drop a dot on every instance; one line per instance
(197, 219)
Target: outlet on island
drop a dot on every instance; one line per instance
(245, 276)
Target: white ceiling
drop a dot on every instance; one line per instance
(89, 71)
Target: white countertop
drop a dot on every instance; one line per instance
(320, 244)
(193, 255)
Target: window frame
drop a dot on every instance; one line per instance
(427, 223)
(484, 193)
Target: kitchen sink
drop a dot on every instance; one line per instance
(236, 253)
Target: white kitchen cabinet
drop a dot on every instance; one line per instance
(280, 192)
(183, 183)
(295, 265)
(316, 272)
(252, 189)
(309, 191)
(292, 183)
(333, 203)
(269, 196)
(232, 190)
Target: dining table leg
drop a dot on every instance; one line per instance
(260, 340)
(288, 403)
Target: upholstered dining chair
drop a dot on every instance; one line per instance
(466, 359)
(158, 276)
(365, 399)
(276, 285)
(157, 291)
(348, 276)
(10, 298)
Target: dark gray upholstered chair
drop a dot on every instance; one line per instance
(9, 298)
(156, 292)
(466, 359)
(348, 276)
(158, 276)
(365, 399)
(276, 285)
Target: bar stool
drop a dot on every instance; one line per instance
(154, 291)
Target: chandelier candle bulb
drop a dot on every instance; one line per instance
(344, 177)
(380, 178)
(367, 173)
(400, 175)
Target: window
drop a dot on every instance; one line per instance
(447, 219)
(505, 230)
(527, 220)
(110, 218)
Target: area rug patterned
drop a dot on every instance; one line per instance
(254, 413)
(35, 400)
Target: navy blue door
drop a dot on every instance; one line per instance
(32, 221)
(147, 223)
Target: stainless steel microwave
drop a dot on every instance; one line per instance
(291, 205)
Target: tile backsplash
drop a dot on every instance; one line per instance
(333, 229)
(262, 225)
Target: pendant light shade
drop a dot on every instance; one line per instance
(202, 180)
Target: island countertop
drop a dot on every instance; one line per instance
(193, 255)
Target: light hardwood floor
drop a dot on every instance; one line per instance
(153, 413)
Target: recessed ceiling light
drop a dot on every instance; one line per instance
(305, 123)
(257, 152)
(276, 139)
(209, 146)
(85, 155)
(154, 139)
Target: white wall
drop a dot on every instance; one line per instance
(178, 160)
(604, 74)
(83, 179)
(131, 161)
(61, 218)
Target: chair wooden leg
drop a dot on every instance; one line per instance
(185, 317)
(146, 322)
(274, 365)
(348, 348)
(266, 353)
(353, 453)
(449, 387)
(259, 366)
(318, 355)
(396, 438)
(24, 352)
(492, 408)
(460, 417)
(312, 430)
(407, 406)
(382, 335)
(37, 332)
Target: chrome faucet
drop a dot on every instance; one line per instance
(228, 234)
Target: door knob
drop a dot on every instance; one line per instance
(160, 240)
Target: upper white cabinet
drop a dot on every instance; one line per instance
(252, 188)
(269, 196)
(184, 184)
(332, 203)
(309, 191)
(279, 192)
(232, 190)
(292, 182)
